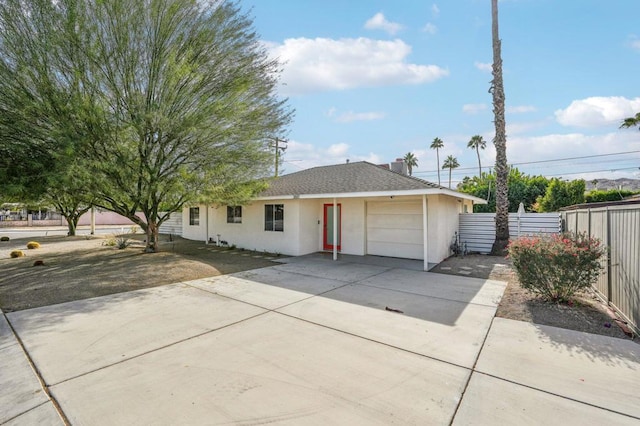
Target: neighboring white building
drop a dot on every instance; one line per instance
(380, 212)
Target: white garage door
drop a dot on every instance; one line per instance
(394, 228)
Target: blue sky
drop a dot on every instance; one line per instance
(372, 80)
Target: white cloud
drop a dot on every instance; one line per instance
(430, 28)
(338, 149)
(482, 66)
(520, 149)
(520, 109)
(528, 149)
(634, 42)
(312, 65)
(597, 111)
(435, 10)
(300, 156)
(517, 128)
(379, 22)
(350, 116)
(473, 108)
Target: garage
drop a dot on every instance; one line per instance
(394, 228)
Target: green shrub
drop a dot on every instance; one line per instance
(32, 245)
(16, 253)
(5, 238)
(122, 242)
(598, 196)
(557, 266)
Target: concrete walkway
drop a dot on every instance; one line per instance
(310, 342)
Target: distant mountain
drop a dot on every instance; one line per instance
(606, 184)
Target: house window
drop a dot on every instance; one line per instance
(194, 216)
(274, 217)
(234, 214)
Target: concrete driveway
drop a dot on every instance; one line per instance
(310, 342)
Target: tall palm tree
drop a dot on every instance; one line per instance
(500, 141)
(450, 163)
(477, 143)
(411, 161)
(437, 144)
(632, 121)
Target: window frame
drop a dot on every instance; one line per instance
(234, 214)
(274, 215)
(194, 216)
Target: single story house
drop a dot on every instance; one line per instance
(355, 208)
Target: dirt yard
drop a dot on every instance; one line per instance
(80, 267)
(585, 312)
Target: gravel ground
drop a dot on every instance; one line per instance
(585, 312)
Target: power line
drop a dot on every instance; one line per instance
(458, 176)
(596, 171)
(542, 161)
(575, 158)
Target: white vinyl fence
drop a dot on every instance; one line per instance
(478, 230)
(173, 225)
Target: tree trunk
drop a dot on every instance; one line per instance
(438, 160)
(72, 224)
(479, 165)
(153, 235)
(449, 177)
(500, 141)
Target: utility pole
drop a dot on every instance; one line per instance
(279, 148)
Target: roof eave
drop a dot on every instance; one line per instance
(394, 193)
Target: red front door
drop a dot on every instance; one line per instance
(329, 220)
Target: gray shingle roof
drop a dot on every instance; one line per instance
(344, 178)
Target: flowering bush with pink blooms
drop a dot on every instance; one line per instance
(557, 266)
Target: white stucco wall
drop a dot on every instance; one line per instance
(442, 223)
(469, 206)
(251, 235)
(194, 232)
(303, 226)
(310, 236)
(300, 236)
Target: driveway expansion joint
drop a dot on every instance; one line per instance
(473, 370)
(25, 412)
(177, 342)
(37, 374)
(429, 296)
(600, 407)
